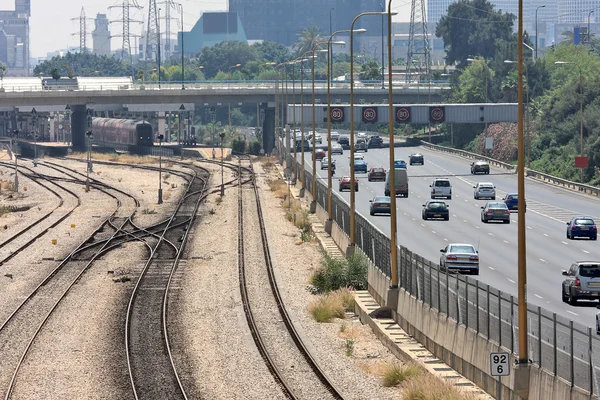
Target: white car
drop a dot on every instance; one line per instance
(362, 135)
(484, 190)
(335, 136)
(358, 156)
(336, 149)
(460, 257)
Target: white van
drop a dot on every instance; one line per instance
(401, 181)
(441, 187)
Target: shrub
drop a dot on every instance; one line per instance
(357, 271)
(326, 308)
(394, 374)
(331, 275)
(239, 144)
(254, 147)
(349, 343)
(429, 387)
(346, 297)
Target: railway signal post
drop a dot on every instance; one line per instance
(160, 138)
(222, 135)
(34, 123)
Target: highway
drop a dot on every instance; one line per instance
(549, 252)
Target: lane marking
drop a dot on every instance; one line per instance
(510, 280)
(529, 227)
(538, 296)
(505, 241)
(491, 234)
(492, 268)
(544, 261)
(571, 312)
(545, 234)
(585, 251)
(563, 242)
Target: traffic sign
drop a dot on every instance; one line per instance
(403, 114)
(337, 114)
(437, 114)
(369, 114)
(499, 364)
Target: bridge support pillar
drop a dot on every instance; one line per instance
(78, 126)
(268, 127)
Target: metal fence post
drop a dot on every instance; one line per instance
(467, 301)
(447, 293)
(373, 250)
(590, 359)
(554, 340)
(572, 355)
(540, 334)
(487, 295)
(423, 276)
(499, 318)
(439, 286)
(477, 305)
(430, 286)
(512, 319)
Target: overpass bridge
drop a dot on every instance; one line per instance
(127, 96)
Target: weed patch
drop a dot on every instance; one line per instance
(325, 309)
(394, 374)
(147, 211)
(349, 344)
(429, 387)
(339, 273)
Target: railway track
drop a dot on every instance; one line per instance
(152, 370)
(312, 381)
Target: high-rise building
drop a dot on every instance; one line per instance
(282, 21)
(14, 38)
(101, 36)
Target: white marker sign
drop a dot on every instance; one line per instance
(499, 364)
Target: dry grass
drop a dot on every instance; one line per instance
(326, 308)
(279, 187)
(429, 387)
(346, 297)
(393, 374)
(121, 158)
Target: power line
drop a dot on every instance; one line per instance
(82, 30)
(126, 20)
(152, 33)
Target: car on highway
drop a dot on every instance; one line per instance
(324, 163)
(344, 184)
(512, 201)
(399, 164)
(480, 167)
(317, 135)
(375, 142)
(460, 257)
(484, 190)
(360, 166)
(582, 282)
(358, 156)
(376, 174)
(344, 141)
(495, 211)
(335, 135)
(362, 135)
(416, 158)
(441, 187)
(435, 209)
(400, 181)
(380, 205)
(582, 227)
(336, 149)
(320, 154)
(361, 145)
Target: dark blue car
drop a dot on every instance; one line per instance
(582, 227)
(360, 166)
(512, 201)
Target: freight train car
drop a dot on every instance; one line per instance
(123, 134)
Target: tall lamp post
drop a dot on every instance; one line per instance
(352, 242)
(302, 60)
(329, 60)
(158, 50)
(160, 138)
(34, 123)
(536, 28)
(180, 7)
(329, 221)
(382, 63)
(580, 108)
(527, 133)
(589, 34)
(313, 204)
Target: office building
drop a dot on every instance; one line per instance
(101, 36)
(14, 38)
(210, 29)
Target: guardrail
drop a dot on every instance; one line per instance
(567, 349)
(580, 187)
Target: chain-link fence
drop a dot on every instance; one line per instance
(569, 350)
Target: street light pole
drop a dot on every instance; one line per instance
(89, 136)
(329, 221)
(158, 51)
(352, 242)
(536, 29)
(222, 135)
(527, 133)
(182, 58)
(580, 108)
(329, 60)
(589, 34)
(160, 138)
(313, 204)
(382, 63)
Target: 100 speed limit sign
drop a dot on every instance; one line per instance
(499, 364)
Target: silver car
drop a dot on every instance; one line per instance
(336, 149)
(582, 282)
(484, 190)
(495, 211)
(460, 257)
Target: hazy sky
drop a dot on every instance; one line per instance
(51, 27)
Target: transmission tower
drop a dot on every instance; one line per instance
(82, 30)
(152, 32)
(418, 41)
(125, 6)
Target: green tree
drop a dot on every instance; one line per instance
(272, 51)
(55, 73)
(308, 38)
(224, 55)
(83, 64)
(370, 71)
(470, 28)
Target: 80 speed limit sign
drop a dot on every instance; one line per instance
(499, 364)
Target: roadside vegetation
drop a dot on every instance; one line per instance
(339, 273)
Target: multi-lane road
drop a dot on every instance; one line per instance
(549, 252)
